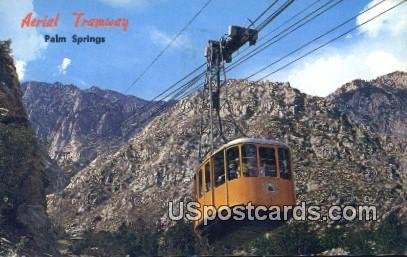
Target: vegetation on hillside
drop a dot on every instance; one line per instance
(295, 238)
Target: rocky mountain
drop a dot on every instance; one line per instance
(380, 103)
(24, 225)
(76, 125)
(338, 158)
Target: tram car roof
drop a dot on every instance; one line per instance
(247, 140)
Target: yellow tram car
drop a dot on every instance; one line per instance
(242, 171)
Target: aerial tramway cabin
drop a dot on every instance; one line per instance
(242, 171)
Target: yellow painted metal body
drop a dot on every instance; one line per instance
(244, 189)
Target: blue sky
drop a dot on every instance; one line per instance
(115, 64)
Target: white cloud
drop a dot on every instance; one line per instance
(62, 68)
(326, 73)
(162, 39)
(20, 67)
(378, 49)
(27, 43)
(392, 21)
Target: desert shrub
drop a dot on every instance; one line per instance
(333, 237)
(179, 239)
(128, 240)
(290, 239)
(359, 242)
(17, 160)
(387, 238)
(391, 236)
(296, 238)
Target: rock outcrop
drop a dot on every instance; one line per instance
(75, 125)
(381, 105)
(24, 224)
(338, 159)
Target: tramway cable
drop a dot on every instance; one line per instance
(240, 59)
(243, 59)
(244, 171)
(281, 35)
(326, 33)
(328, 42)
(315, 50)
(168, 45)
(201, 74)
(189, 85)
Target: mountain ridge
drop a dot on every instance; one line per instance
(380, 103)
(336, 158)
(75, 125)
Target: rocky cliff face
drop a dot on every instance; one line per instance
(24, 224)
(380, 105)
(76, 125)
(338, 159)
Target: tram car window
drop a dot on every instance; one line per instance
(284, 163)
(233, 163)
(200, 185)
(195, 186)
(208, 176)
(249, 160)
(253, 167)
(268, 166)
(219, 168)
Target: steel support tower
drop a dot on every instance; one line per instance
(217, 54)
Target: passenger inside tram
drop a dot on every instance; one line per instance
(267, 162)
(284, 163)
(233, 163)
(208, 176)
(249, 153)
(219, 169)
(233, 170)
